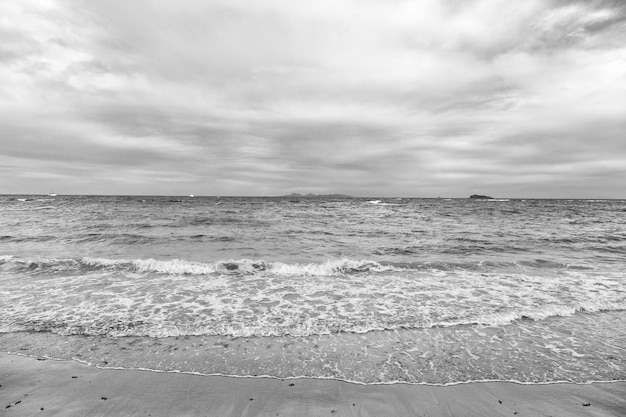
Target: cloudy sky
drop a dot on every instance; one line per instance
(418, 98)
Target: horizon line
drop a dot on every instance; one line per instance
(309, 196)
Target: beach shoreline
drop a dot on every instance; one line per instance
(37, 386)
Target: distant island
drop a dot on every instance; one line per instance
(481, 197)
(298, 195)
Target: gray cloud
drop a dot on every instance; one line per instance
(269, 97)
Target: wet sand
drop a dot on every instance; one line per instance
(33, 387)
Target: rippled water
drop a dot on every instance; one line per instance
(413, 290)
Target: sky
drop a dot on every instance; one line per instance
(270, 97)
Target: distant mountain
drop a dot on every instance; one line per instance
(298, 195)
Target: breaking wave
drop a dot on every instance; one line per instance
(185, 267)
(244, 298)
(247, 266)
(267, 326)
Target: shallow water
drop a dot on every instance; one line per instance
(372, 291)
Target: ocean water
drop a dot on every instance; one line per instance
(435, 291)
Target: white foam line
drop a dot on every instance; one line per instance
(302, 377)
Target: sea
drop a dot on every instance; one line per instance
(367, 290)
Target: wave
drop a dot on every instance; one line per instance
(247, 266)
(185, 267)
(118, 238)
(20, 239)
(244, 298)
(381, 203)
(540, 313)
(111, 326)
(32, 208)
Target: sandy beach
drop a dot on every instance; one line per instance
(31, 386)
